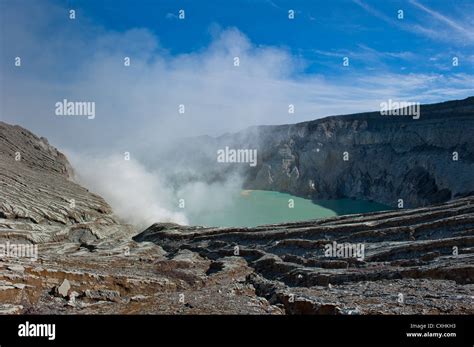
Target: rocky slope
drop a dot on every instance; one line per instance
(408, 261)
(78, 258)
(39, 201)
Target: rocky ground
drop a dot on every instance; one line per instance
(413, 260)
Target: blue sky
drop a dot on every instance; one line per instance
(190, 62)
(367, 31)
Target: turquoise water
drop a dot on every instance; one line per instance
(258, 207)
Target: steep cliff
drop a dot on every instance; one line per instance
(421, 161)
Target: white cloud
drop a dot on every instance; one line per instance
(138, 105)
(466, 30)
(436, 26)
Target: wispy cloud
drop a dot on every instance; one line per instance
(171, 16)
(430, 27)
(375, 12)
(273, 4)
(369, 58)
(466, 31)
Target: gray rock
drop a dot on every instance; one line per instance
(39, 200)
(103, 294)
(389, 157)
(63, 289)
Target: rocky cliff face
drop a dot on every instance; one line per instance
(422, 161)
(363, 156)
(39, 201)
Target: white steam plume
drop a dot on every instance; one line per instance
(136, 195)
